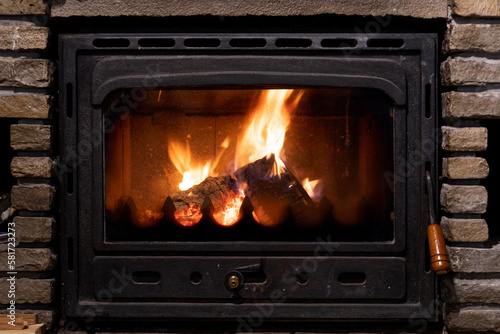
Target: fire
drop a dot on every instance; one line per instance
(189, 216)
(230, 215)
(313, 188)
(265, 134)
(192, 173)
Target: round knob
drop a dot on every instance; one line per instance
(234, 281)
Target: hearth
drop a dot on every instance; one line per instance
(213, 176)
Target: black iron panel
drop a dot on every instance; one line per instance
(196, 70)
(310, 279)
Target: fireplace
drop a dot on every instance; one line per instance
(210, 176)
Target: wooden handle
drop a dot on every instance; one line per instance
(439, 256)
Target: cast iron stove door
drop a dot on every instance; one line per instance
(208, 176)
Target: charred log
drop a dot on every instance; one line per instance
(272, 196)
(216, 189)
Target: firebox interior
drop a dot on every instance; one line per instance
(338, 146)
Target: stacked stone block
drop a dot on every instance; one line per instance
(470, 76)
(26, 76)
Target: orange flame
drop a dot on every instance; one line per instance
(192, 173)
(313, 188)
(231, 213)
(265, 133)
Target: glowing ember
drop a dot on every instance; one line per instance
(229, 216)
(149, 218)
(192, 173)
(189, 216)
(313, 188)
(265, 134)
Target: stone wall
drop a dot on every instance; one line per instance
(162, 8)
(26, 78)
(470, 76)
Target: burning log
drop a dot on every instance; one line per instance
(190, 203)
(272, 196)
(188, 216)
(216, 189)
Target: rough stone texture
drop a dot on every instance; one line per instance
(157, 8)
(19, 72)
(33, 197)
(35, 229)
(37, 167)
(30, 259)
(27, 137)
(23, 37)
(22, 7)
(465, 168)
(29, 291)
(464, 199)
(484, 105)
(475, 8)
(472, 37)
(458, 290)
(25, 106)
(470, 71)
(44, 316)
(473, 319)
(475, 260)
(464, 230)
(464, 139)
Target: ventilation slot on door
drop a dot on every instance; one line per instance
(156, 42)
(202, 42)
(247, 42)
(293, 43)
(146, 277)
(352, 278)
(339, 43)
